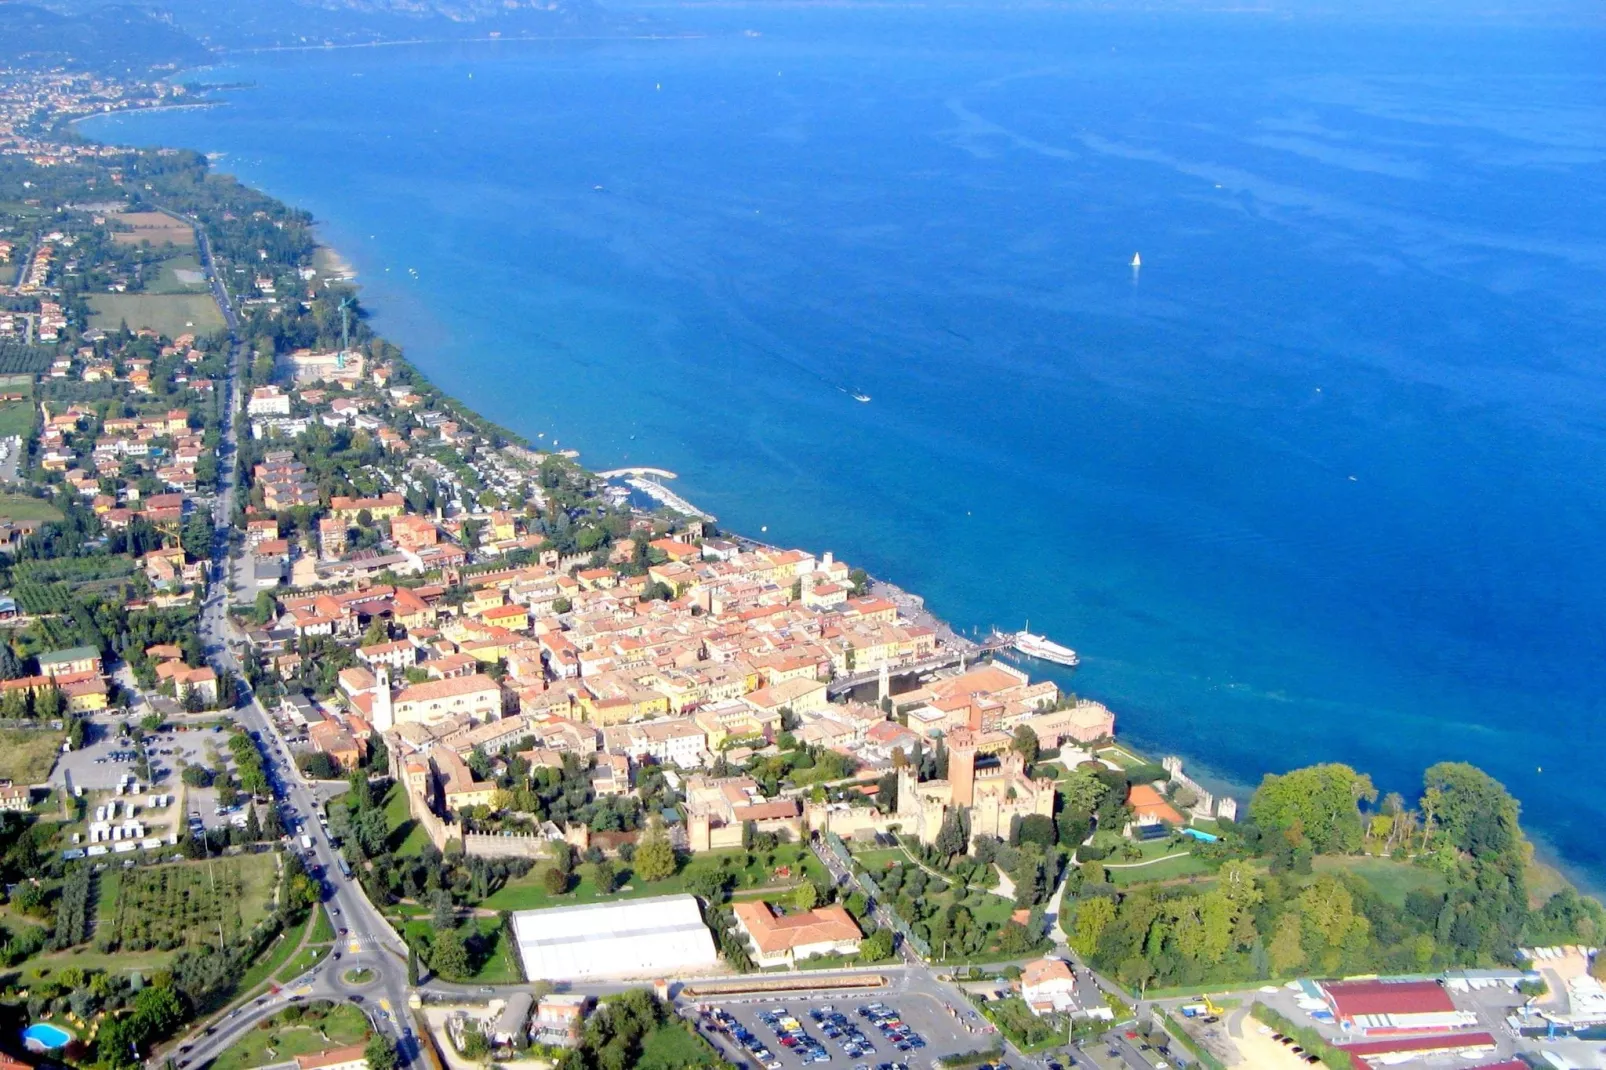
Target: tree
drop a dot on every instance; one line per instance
(412, 966)
(605, 876)
(1093, 916)
(655, 858)
(265, 608)
(1025, 744)
(555, 880)
(380, 1053)
(806, 896)
(876, 946)
(448, 956)
(1319, 804)
(951, 837)
(1287, 953)
(442, 915)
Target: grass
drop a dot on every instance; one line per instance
(497, 967)
(267, 966)
(528, 892)
(146, 962)
(304, 960)
(169, 282)
(1171, 869)
(23, 506)
(1391, 880)
(168, 314)
(157, 228)
(189, 901)
(343, 1024)
(407, 836)
(28, 754)
(323, 932)
(877, 859)
(16, 418)
(673, 1047)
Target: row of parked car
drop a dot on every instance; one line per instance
(892, 1027)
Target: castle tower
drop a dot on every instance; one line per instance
(883, 685)
(962, 766)
(908, 800)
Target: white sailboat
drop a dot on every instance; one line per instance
(1137, 261)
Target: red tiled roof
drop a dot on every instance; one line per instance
(1442, 1042)
(1353, 998)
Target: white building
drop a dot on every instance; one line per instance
(268, 401)
(663, 936)
(673, 739)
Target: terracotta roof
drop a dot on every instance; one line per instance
(1044, 971)
(772, 934)
(332, 1057)
(451, 687)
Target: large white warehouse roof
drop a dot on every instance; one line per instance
(661, 936)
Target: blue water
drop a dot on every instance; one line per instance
(1325, 481)
(47, 1036)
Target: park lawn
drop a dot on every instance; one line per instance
(343, 1024)
(496, 968)
(877, 859)
(28, 754)
(1391, 880)
(529, 893)
(1121, 756)
(672, 1047)
(45, 966)
(168, 314)
(1182, 865)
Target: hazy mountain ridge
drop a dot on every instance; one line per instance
(114, 37)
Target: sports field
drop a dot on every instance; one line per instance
(169, 314)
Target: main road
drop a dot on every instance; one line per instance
(365, 939)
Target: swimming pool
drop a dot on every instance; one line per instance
(46, 1037)
(1201, 835)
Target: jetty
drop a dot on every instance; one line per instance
(944, 658)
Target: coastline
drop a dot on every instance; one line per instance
(1542, 851)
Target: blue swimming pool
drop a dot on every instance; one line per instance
(46, 1037)
(1200, 834)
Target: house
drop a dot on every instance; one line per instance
(515, 1018)
(1048, 986)
(786, 939)
(15, 797)
(333, 739)
(477, 696)
(78, 659)
(559, 1020)
(268, 401)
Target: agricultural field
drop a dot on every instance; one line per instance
(28, 754)
(156, 228)
(18, 357)
(51, 586)
(17, 418)
(180, 903)
(168, 314)
(25, 507)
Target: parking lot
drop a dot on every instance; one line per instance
(849, 1031)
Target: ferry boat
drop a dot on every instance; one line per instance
(1038, 646)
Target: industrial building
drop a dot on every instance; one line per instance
(663, 936)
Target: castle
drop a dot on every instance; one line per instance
(985, 777)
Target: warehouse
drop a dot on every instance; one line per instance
(663, 936)
(1391, 1008)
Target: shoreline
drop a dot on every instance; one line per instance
(1545, 856)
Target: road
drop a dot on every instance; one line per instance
(365, 938)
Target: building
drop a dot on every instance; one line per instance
(662, 936)
(268, 401)
(786, 939)
(677, 739)
(1150, 808)
(1379, 1053)
(78, 659)
(15, 797)
(559, 1020)
(477, 696)
(986, 778)
(1048, 986)
(514, 1019)
(1394, 1008)
(350, 1057)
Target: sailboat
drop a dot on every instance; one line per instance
(1137, 261)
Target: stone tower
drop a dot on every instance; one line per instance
(962, 766)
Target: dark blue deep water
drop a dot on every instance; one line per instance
(1326, 481)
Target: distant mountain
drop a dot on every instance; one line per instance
(116, 38)
(239, 24)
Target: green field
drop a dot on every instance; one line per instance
(1391, 880)
(28, 754)
(26, 507)
(672, 1047)
(196, 903)
(170, 314)
(497, 967)
(169, 282)
(528, 892)
(305, 959)
(321, 1026)
(1171, 868)
(407, 837)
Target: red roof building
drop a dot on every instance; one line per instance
(1390, 1008)
(1464, 1044)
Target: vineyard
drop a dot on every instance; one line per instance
(166, 907)
(19, 357)
(74, 570)
(53, 586)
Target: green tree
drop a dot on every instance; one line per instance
(1319, 803)
(1093, 916)
(448, 956)
(1287, 950)
(876, 946)
(655, 858)
(1025, 744)
(806, 896)
(380, 1053)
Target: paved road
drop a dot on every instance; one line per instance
(366, 939)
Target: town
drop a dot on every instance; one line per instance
(343, 728)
